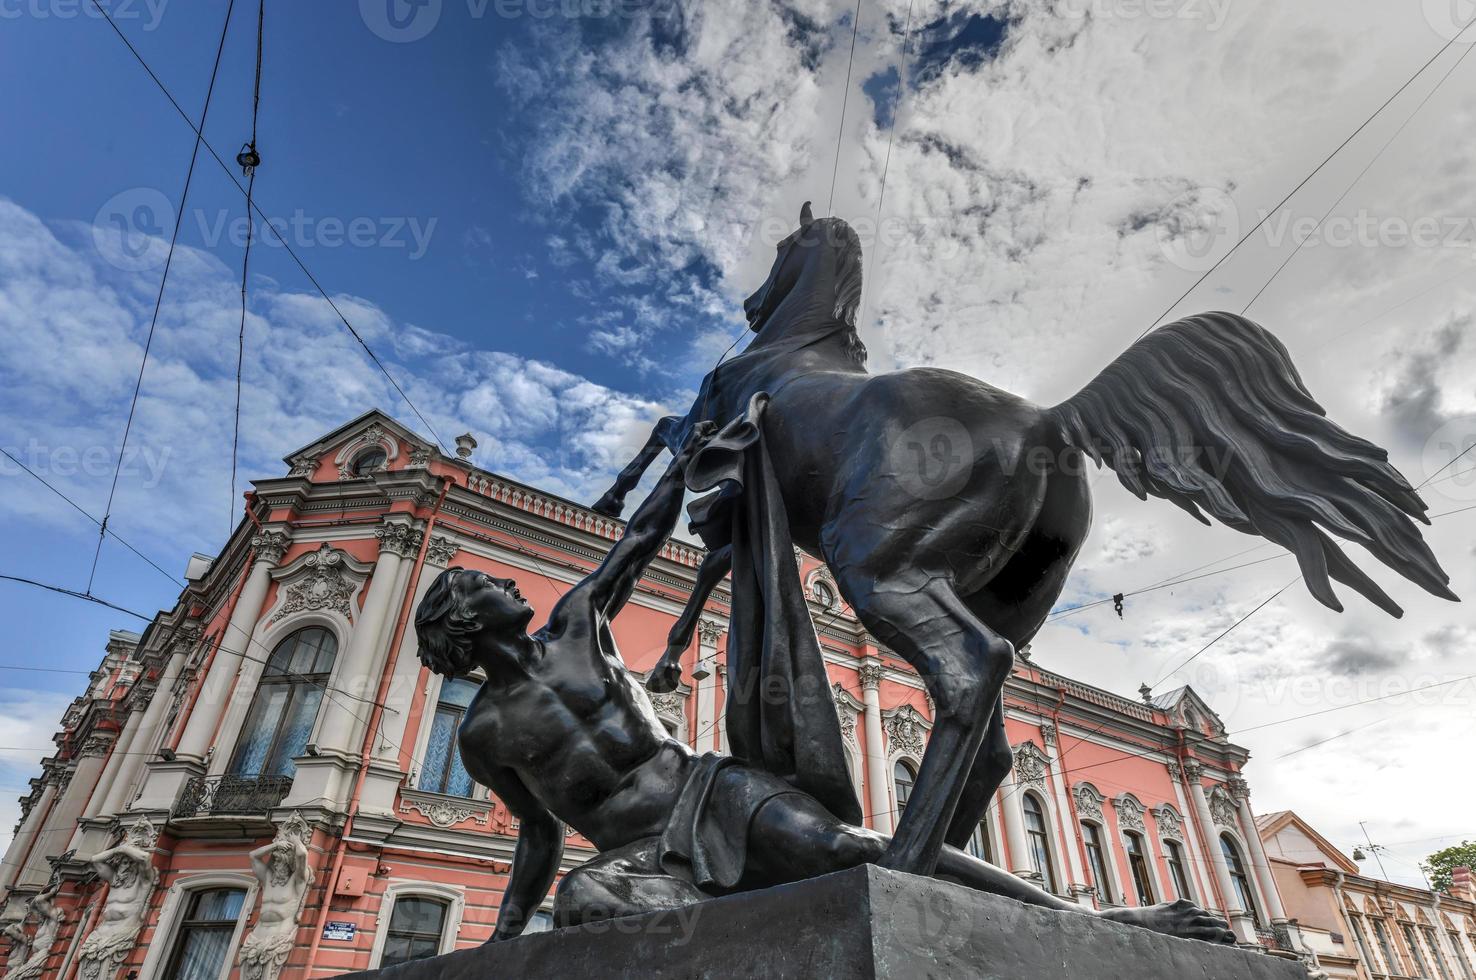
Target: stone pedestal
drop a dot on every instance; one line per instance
(864, 923)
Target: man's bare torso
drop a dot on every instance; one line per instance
(580, 733)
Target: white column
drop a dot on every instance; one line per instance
(1070, 839)
(88, 841)
(1240, 919)
(708, 633)
(879, 801)
(210, 699)
(1259, 863)
(29, 827)
(406, 670)
(154, 713)
(57, 831)
(1199, 871)
(357, 676)
(1018, 860)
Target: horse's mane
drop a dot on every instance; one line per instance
(847, 284)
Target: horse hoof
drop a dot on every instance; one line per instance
(609, 506)
(664, 679)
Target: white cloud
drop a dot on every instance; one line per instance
(31, 718)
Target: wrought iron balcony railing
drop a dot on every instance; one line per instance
(231, 795)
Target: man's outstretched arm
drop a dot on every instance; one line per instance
(612, 583)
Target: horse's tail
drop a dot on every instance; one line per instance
(1209, 412)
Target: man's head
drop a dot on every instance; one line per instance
(460, 605)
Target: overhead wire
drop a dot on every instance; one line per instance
(845, 102)
(163, 280)
(250, 160)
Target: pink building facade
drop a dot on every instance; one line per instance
(281, 698)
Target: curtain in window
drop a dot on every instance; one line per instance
(1098, 860)
(1138, 862)
(442, 770)
(205, 934)
(1040, 849)
(286, 704)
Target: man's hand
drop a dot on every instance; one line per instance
(700, 436)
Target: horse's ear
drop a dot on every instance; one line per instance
(806, 215)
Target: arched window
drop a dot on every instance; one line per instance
(1244, 892)
(1137, 856)
(1391, 963)
(904, 777)
(442, 771)
(1040, 846)
(1361, 941)
(1436, 951)
(1462, 960)
(416, 927)
(368, 461)
(203, 939)
(286, 704)
(1422, 969)
(824, 594)
(1091, 834)
(1173, 853)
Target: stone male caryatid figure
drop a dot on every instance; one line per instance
(129, 870)
(49, 921)
(564, 735)
(282, 868)
(20, 943)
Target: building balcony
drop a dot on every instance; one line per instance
(240, 800)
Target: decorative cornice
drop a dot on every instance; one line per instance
(907, 731)
(1031, 765)
(326, 579)
(303, 466)
(1129, 813)
(1170, 824)
(1088, 801)
(446, 811)
(96, 746)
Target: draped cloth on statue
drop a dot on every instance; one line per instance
(781, 714)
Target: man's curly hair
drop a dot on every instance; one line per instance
(444, 623)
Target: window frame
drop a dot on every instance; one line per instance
(1245, 886)
(452, 752)
(450, 926)
(1039, 841)
(1097, 859)
(899, 799)
(1176, 859)
(1135, 850)
(292, 681)
(171, 913)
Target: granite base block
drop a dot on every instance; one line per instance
(863, 923)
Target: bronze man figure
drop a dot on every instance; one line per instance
(565, 735)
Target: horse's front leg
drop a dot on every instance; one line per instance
(667, 674)
(613, 502)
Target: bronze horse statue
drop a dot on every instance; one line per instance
(950, 512)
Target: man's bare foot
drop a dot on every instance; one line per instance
(1182, 919)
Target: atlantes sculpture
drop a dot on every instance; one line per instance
(949, 513)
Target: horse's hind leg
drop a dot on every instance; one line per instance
(964, 665)
(666, 676)
(613, 502)
(991, 766)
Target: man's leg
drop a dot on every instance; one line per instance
(792, 837)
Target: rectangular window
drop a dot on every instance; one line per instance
(443, 771)
(1138, 862)
(1422, 969)
(415, 930)
(1174, 854)
(1093, 838)
(204, 936)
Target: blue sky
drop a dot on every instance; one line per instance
(558, 215)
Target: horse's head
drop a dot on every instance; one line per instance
(818, 266)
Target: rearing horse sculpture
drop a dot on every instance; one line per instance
(950, 512)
